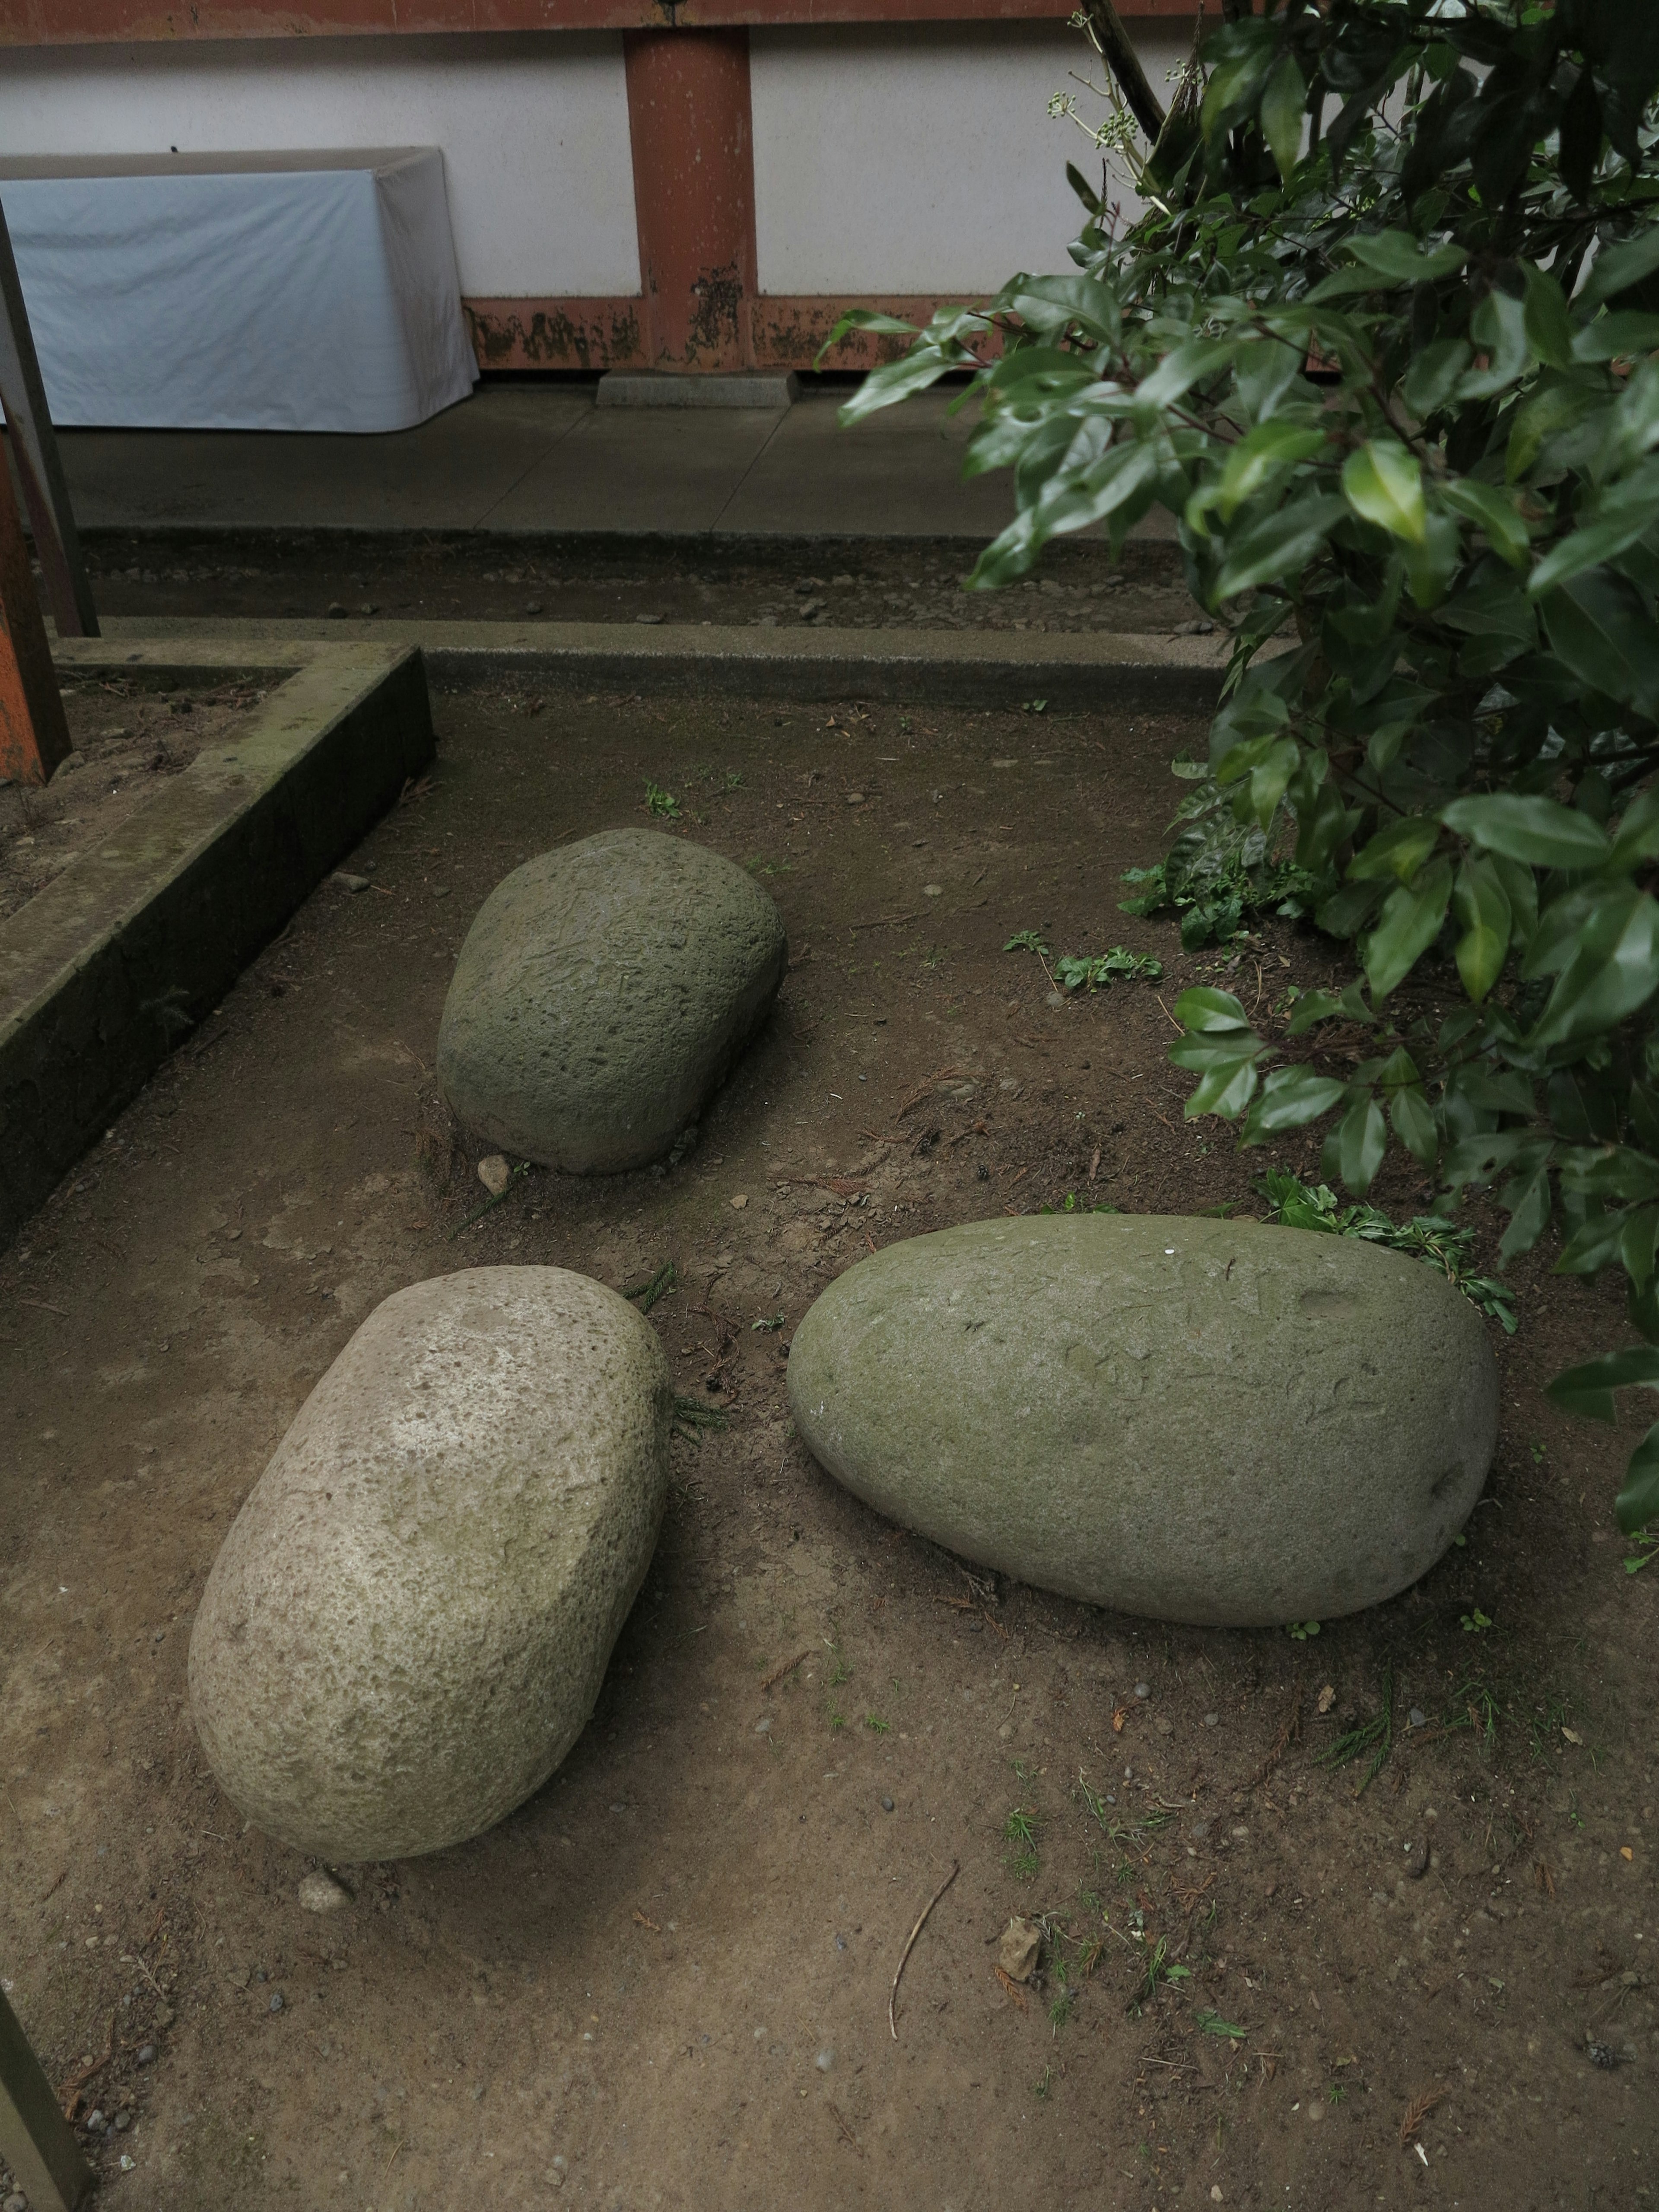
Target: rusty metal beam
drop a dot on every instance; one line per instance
(39, 470)
(74, 22)
(33, 734)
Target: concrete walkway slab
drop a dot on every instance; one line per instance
(663, 470)
(541, 459)
(446, 474)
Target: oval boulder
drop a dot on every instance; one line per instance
(408, 1623)
(602, 995)
(1222, 1423)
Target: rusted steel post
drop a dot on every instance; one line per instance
(35, 2142)
(33, 734)
(39, 469)
(694, 195)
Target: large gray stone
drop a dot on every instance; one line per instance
(602, 995)
(406, 1627)
(1207, 1421)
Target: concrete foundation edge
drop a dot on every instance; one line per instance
(82, 1047)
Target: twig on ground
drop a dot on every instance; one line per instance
(70, 2095)
(1289, 1729)
(1417, 2111)
(943, 1075)
(654, 1926)
(835, 2115)
(1012, 1988)
(787, 1668)
(885, 921)
(1168, 1015)
(892, 1994)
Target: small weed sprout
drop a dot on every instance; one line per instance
(874, 1722)
(1020, 1829)
(661, 802)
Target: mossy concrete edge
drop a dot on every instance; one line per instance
(139, 937)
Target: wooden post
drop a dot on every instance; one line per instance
(694, 195)
(35, 2140)
(39, 469)
(33, 734)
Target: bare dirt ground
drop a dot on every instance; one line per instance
(125, 737)
(665, 1981)
(851, 583)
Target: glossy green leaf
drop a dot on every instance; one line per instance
(1209, 1010)
(1397, 255)
(1257, 458)
(1414, 1125)
(1396, 852)
(1616, 268)
(1281, 544)
(1498, 328)
(1536, 831)
(1408, 924)
(1529, 1200)
(1596, 990)
(1225, 1090)
(1602, 628)
(1481, 906)
(1291, 1096)
(1589, 1390)
(1492, 510)
(1383, 483)
(1284, 101)
(1435, 375)
(1638, 1504)
(1361, 1139)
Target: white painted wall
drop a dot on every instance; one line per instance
(922, 158)
(533, 129)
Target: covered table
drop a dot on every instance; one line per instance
(284, 291)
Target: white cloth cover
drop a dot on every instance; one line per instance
(302, 291)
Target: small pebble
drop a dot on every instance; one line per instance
(345, 882)
(95, 2120)
(494, 1174)
(123, 2122)
(886, 1804)
(146, 2054)
(933, 890)
(15, 2202)
(1212, 1719)
(532, 607)
(276, 2001)
(320, 1892)
(762, 1728)
(1143, 1689)
(260, 1975)
(1418, 1717)
(824, 2060)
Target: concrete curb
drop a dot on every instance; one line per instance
(139, 937)
(994, 668)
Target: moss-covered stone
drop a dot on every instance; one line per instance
(1197, 1420)
(602, 995)
(407, 1626)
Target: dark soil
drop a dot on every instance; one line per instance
(665, 1981)
(852, 583)
(125, 737)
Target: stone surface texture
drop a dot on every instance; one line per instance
(407, 1625)
(1216, 1422)
(602, 995)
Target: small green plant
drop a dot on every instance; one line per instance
(1159, 1968)
(877, 1725)
(1212, 2023)
(1075, 971)
(1028, 940)
(1034, 706)
(1043, 2083)
(770, 1323)
(693, 1415)
(654, 1287)
(733, 780)
(1647, 1549)
(1337, 2093)
(1375, 1735)
(661, 802)
(1020, 1829)
(1069, 1204)
(1537, 1451)
(1429, 1237)
(1300, 1630)
(1474, 1624)
(839, 1673)
(1219, 871)
(837, 1720)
